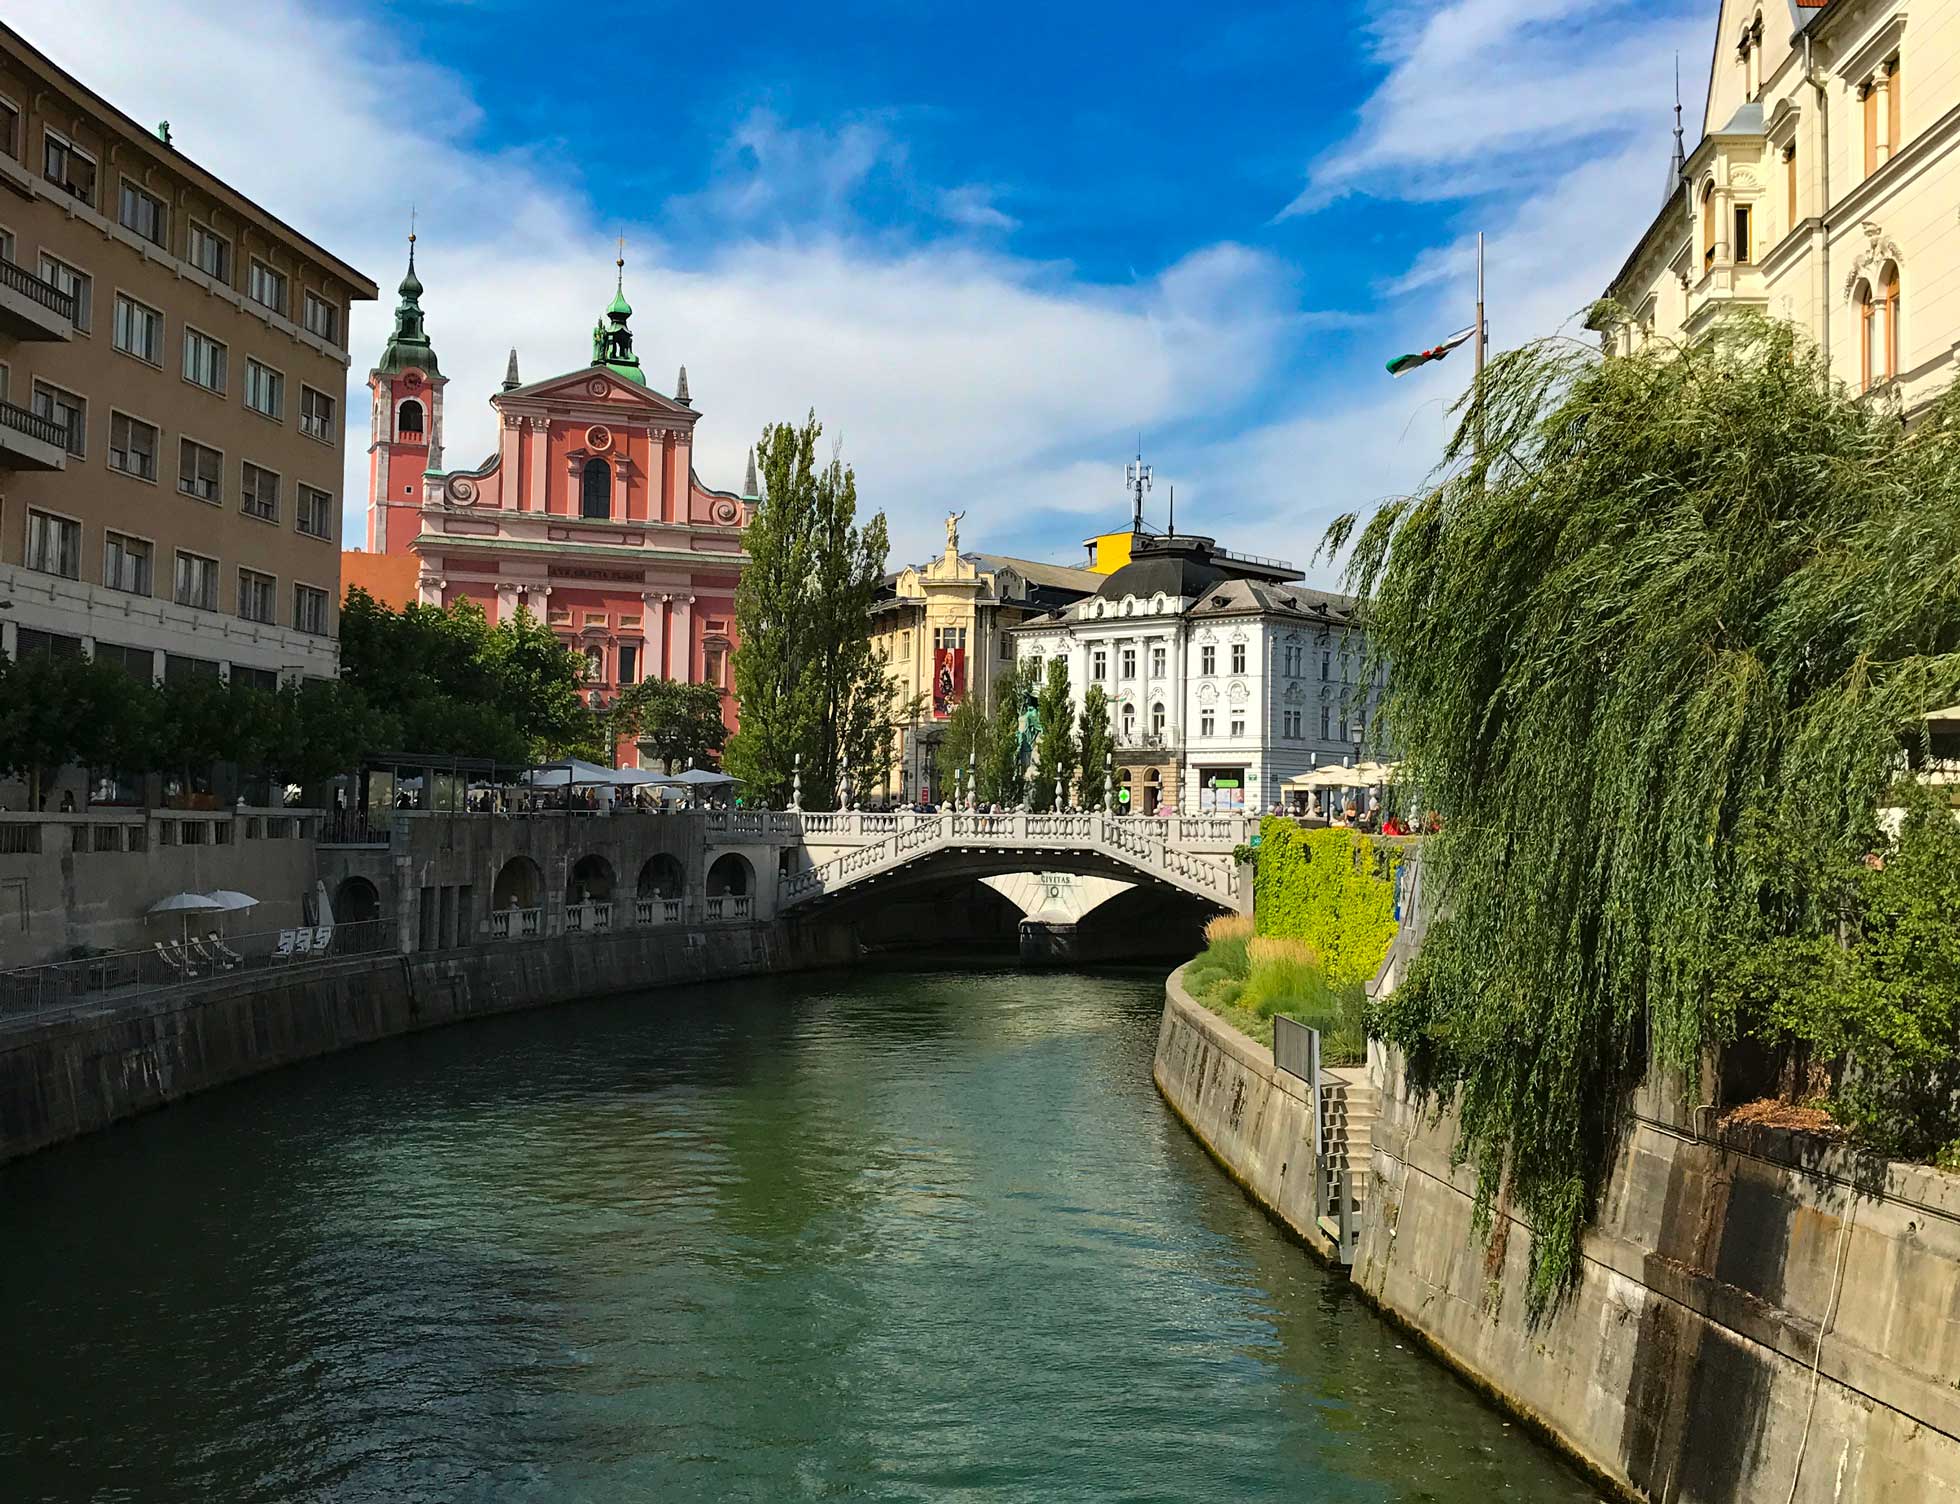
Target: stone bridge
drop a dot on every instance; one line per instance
(851, 852)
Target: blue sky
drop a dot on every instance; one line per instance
(989, 245)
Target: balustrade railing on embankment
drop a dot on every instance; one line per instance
(197, 955)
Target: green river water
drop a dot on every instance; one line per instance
(865, 1236)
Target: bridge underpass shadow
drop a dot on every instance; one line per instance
(1142, 923)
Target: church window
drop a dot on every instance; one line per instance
(595, 489)
(408, 422)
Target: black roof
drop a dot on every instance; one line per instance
(1175, 567)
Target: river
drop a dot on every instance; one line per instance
(882, 1236)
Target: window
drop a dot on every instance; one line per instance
(1707, 225)
(67, 166)
(65, 408)
(1129, 662)
(54, 544)
(206, 362)
(1344, 726)
(1238, 725)
(309, 610)
(197, 582)
(139, 663)
(408, 422)
(1790, 183)
(1894, 137)
(1157, 660)
(126, 564)
(265, 390)
(595, 665)
(1878, 312)
(10, 128)
(1157, 718)
(316, 414)
(714, 667)
(1006, 648)
(261, 493)
(1034, 667)
(321, 317)
(182, 670)
(142, 213)
(132, 446)
(1326, 664)
(73, 281)
(595, 489)
(1238, 657)
(139, 330)
(629, 663)
(210, 253)
(200, 471)
(1099, 665)
(1208, 660)
(32, 644)
(7, 246)
(256, 593)
(267, 287)
(1129, 722)
(1744, 251)
(1326, 733)
(315, 517)
(1207, 723)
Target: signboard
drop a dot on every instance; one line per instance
(948, 680)
(582, 572)
(1123, 794)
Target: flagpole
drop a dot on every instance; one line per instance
(1480, 302)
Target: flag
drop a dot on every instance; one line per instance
(1404, 363)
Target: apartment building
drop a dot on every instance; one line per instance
(173, 371)
(1821, 192)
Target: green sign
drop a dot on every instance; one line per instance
(1122, 796)
(1224, 783)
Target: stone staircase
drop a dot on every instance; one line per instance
(1350, 1107)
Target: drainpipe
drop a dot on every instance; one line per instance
(1824, 188)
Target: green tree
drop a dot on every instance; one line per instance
(1002, 778)
(679, 723)
(806, 678)
(60, 710)
(960, 747)
(1094, 747)
(1658, 630)
(1054, 754)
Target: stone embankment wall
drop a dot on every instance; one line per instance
(1255, 1119)
(80, 1071)
(1686, 1364)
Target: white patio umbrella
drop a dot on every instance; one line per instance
(184, 905)
(230, 899)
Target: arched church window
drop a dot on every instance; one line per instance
(408, 420)
(595, 489)
(1878, 313)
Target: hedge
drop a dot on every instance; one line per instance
(1334, 889)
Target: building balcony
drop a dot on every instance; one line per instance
(29, 441)
(33, 309)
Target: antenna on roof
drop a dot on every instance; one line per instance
(1136, 479)
(1170, 528)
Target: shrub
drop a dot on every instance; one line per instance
(1229, 927)
(1334, 889)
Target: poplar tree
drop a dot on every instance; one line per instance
(1002, 778)
(1054, 754)
(806, 678)
(1094, 747)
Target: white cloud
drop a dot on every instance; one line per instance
(953, 374)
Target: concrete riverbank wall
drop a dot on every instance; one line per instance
(79, 1071)
(1686, 1364)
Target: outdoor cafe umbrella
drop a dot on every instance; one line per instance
(185, 905)
(704, 777)
(230, 899)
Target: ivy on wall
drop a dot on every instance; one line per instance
(1334, 889)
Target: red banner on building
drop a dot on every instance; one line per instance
(948, 680)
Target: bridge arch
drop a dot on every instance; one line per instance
(519, 885)
(591, 880)
(732, 875)
(662, 876)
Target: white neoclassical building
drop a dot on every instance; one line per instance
(1225, 676)
(1821, 192)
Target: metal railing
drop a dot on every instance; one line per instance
(188, 959)
(50, 297)
(14, 416)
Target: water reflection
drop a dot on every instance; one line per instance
(882, 1236)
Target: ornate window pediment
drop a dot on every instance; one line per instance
(1238, 692)
(1208, 694)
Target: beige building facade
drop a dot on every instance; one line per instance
(1823, 193)
(940, 629)
(173, 374)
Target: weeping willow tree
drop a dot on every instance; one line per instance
(1657, 628)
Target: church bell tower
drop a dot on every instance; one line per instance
(405, 424)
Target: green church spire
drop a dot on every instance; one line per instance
(409, 344)
(612, 340)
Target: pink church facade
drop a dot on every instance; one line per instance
(589, 515)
